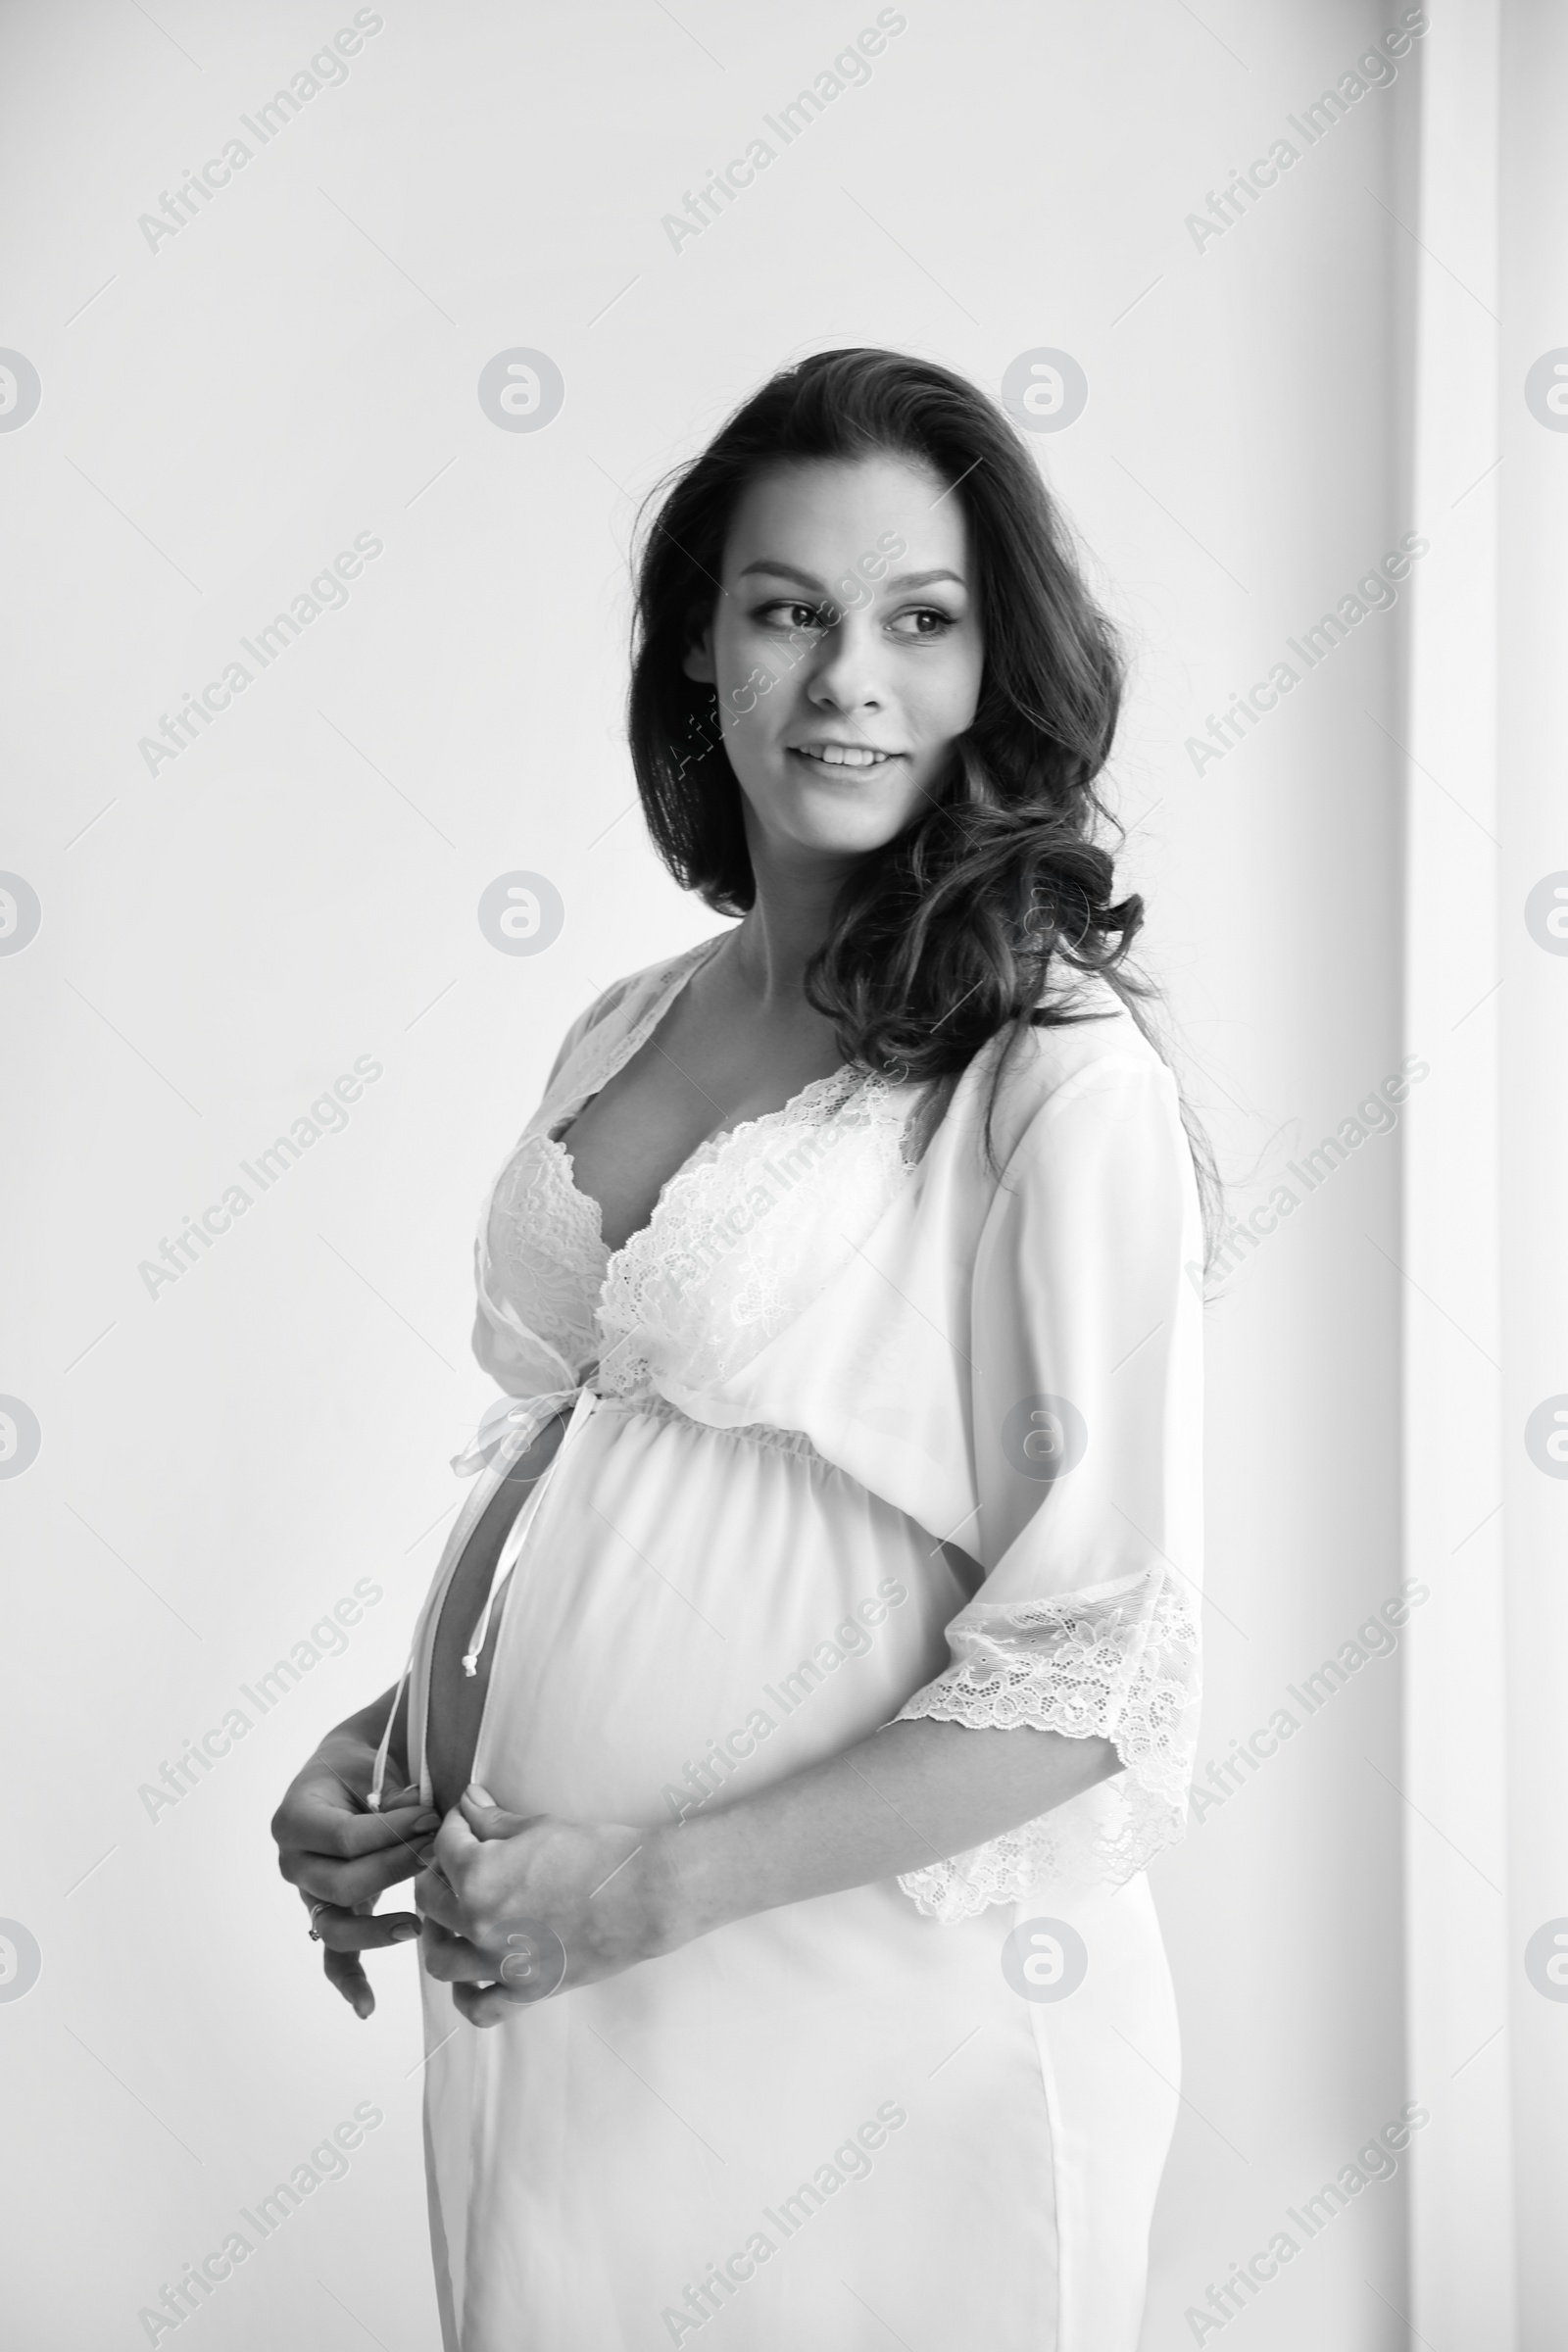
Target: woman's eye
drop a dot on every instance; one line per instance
(924, 623)
(939, 621)
(793, 617)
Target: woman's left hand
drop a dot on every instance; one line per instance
(517, 1909)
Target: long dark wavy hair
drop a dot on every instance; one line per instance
(948, 934)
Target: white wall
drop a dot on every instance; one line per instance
(1532, 1037)
(1453, 1775)
(220, 941)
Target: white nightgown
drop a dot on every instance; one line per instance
(857, 1432)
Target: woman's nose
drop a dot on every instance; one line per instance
(844, 675)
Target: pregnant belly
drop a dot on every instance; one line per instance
(456, 1699)
(694, 1613)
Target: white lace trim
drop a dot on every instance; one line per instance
(750, 1230)
(1116, 1661)
(540, 1256)
(542, 1251)
(743, 1236)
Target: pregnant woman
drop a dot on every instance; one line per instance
(811, 1670)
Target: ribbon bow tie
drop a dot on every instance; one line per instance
(516, 1420)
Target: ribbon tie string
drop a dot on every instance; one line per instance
(512, 1424)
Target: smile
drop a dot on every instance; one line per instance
(842, 754)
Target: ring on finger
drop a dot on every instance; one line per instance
(316, 1933)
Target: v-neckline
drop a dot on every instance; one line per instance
(634, 1039)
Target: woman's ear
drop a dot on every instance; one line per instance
(698, 660)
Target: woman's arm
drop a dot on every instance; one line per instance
(911, 1794)
(604, 1896)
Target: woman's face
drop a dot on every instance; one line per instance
(844, 647)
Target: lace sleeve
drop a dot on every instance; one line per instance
(1120, 1663)
(1086, 1349)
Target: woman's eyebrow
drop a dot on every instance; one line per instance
(904, 580)
(783, 571)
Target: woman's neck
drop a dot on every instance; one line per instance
(787, 923)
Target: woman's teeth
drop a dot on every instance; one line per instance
(834, 755)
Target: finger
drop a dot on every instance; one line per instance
(455, 1844)
(331, 1828)
(485, 2004)
(344, 1971)
(453, 1959)
(314, 1838)
(486, 1818)
(434, 1899)
(396, 1795)
(348, 1932)
(327, 1784)
(346, 1884)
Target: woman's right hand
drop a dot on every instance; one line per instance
(343, 1857)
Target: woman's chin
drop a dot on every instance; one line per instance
(843, 813)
